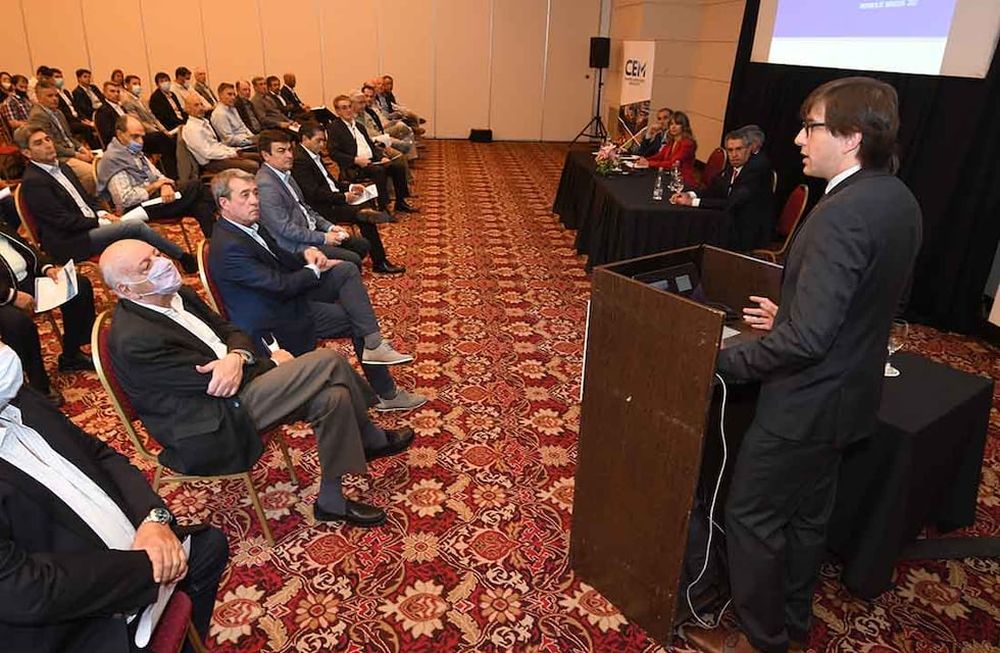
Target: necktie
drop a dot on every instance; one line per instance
(732, 180)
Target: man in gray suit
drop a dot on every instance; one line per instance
(266, 107)
(293, 223)
(46, 115)
(820, 364)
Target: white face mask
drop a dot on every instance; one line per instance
(11, 375)
(165, 86)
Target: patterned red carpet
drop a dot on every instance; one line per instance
(474, 556)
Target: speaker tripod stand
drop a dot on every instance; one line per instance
(599, 132)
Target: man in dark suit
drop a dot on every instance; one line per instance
(360, 158)
(87, 98)
(652, 140)
(71, 225)
(82, 128)
(203, 394)
(245, 108)
(46, 115)
(743, 190)
(290, 96)
(165, 105)
(820, 364)
(20, 265)
(106, 117)
(268, 107)
(274, 294)
(295, 217)
(85, 541)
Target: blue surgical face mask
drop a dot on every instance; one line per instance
(133, 147)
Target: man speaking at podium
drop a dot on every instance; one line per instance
(820, 364)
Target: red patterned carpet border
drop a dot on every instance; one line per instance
(475, 553)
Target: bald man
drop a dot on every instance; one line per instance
(204, 395)
(204, 144)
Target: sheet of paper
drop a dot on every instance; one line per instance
(294, 127)
(137, 213)
(50, 294)
(371, 192)
(97, 152)
(319, 108)
(728, 332)
(4, 193)
(385, 139)
(151, 615)
(159, 200)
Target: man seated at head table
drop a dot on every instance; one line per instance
(86, 544)
(203, 393)
(71, 225)
(76, 155)
(742, 190)
(294, 223)
(131, 179)
(274, 294)
(204, 144)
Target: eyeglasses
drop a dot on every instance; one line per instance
(807, 126)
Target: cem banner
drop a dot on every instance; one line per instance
(637, 86)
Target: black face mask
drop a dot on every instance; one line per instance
(22, 94)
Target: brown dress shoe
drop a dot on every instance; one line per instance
(717, 640)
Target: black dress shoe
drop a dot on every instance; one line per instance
(387, 267)
(403, 207)
(188, 263)
(398, 440)
(372, 216)
(55, 397)
(76, 362)
(357, 514)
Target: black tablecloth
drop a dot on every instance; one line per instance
(616, 217)
(922, 467)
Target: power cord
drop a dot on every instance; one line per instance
(711, 516)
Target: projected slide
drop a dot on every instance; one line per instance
(928, 37)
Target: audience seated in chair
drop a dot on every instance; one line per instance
(87, 98)
(272, 293)
(109, 113)
(82, 128)
(396, 129)
(269, 111)
(131, 179)
(46, 115)
(360, 158)
(228, 122)
(395, 109)
(202, 88)
(156, 140)
(289, 95)
(744, 190)
(244, 106)
(330, 198)
(400, 152)
(165, 104)
(85, 539)
(204, 395)
(16, 107)
(71, 225)
(20, 265)
(206, 148)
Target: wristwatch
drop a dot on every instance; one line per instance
(159, 516)
(248, 357)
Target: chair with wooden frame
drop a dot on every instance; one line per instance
(791, 213)
(175, 627)
(128, 416)
(211, 290)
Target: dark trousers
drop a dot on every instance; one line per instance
(195, 201)
(347, 214)
(779, 504)
(340, 308)
(380, 175)
(352, 250)
(209, 554)
(166, 146)
(18, 329)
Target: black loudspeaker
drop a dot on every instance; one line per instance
(481, 135)
(600, 51)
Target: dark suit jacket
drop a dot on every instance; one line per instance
(67, 112)
(291, 97)
(59, 583)
(317, 192)
(264, 294)
(161, 104)
(37, 263)
(82, 102)
(62, 227)
(821, 364)
(343, 148)
(750, 201)
(650, 146)
(104, 121)
(245, 109)
(155, 361)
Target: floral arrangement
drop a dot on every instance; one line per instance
(607, 159)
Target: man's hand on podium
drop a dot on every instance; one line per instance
(761, 317)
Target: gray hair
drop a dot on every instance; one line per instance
(755, 134)
(222, 181)
(24, 133)
(738, 135)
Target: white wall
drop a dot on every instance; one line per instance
(518, 66)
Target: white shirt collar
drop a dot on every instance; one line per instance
(252, 229)
(176, 305)
(841, 177)
(313, 155)
(52, 169)
(283, 176)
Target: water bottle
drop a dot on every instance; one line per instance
(676, 179)
(658, 186)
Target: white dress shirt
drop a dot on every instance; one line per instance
(68, 99)
(841, 177)
(231, 128)
(363, 149)
(203, 142)
(318, 160)
(192, 323)
(18, 265)
(696, 201)
(117, 107)
(24, 448)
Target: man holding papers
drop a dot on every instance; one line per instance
(20, 265)
(132, 180)
(85, 543)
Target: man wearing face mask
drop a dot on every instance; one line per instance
(203, 394)
(15, 109)
(165, 105)
(86, 542)
(131, 179)
(156, 139)
(81, 127)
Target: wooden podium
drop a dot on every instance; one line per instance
(647, 389)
